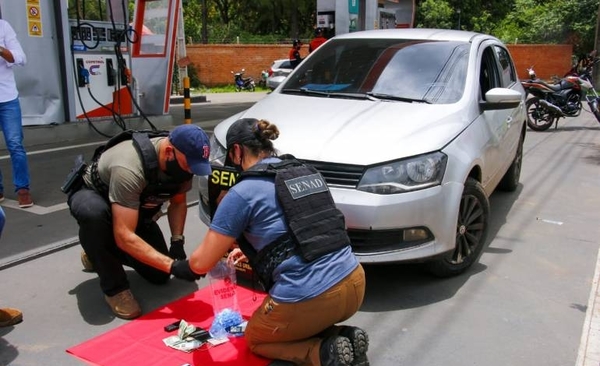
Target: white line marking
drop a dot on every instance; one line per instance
(590, 338)
(4, 157)
(35, 209)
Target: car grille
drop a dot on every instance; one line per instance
(340, 175)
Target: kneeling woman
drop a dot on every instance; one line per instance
(307, 296)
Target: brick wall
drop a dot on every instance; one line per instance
(214, 63)
(547, 60)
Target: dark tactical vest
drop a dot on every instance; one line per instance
(315, 226)
(156, 191)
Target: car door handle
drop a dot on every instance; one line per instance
(509, 121)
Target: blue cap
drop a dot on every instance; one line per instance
(193, 142)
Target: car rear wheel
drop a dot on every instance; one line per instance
(471, 232)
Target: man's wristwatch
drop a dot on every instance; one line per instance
(177, 238)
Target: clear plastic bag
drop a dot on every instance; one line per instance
(223, 285)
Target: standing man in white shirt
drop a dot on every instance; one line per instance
(11, 53)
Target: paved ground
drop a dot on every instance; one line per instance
(40, 270)
(63, 306)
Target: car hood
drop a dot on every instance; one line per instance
(354, 131)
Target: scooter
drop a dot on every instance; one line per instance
(242, 83)
(264, 75)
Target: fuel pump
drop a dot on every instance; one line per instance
(92, 60)
(100, 37)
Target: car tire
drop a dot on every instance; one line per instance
(510, 180)
(471, 232)
(538, 118)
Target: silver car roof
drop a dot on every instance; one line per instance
(417, 33)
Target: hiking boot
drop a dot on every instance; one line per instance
(124, 305)
(85, 261)
(360, 344)
(336, 351)
(24, 198)
(10, 317)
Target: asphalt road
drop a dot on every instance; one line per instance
(523, 304)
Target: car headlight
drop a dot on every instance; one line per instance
(405, 175)
(218, 153)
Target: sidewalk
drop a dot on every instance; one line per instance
(81, 131)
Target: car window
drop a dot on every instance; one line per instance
(426, 70)
(285, 65)
(489, 77)
(507, 69)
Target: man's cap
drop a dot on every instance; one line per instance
(193, 142)
(318, 31)
(241, 131)
(297, 42)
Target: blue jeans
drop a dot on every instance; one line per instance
(2, 220)
(11, 126)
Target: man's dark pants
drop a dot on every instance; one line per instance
(93, 214)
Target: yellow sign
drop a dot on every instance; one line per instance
(33, 12)
(35, 28)
(34, 18)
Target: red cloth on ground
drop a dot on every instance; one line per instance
(139, 343)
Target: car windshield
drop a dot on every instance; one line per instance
(391, 69)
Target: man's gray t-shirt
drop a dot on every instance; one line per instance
(121, 168)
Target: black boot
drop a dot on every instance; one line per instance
(336, 351)
(360, 344)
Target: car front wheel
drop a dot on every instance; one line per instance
(471, 232)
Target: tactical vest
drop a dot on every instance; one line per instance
(156, 192)
(315, 225)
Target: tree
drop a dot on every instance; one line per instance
(434, 14)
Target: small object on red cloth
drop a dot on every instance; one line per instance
(139, 342)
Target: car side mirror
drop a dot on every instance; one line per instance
(501, 98)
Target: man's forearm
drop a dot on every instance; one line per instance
(6, 54)
(135, 246)
(177, 213)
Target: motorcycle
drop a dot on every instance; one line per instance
(242, 83)
(550, 102)
(264, 75)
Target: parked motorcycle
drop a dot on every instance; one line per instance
(264, 75)
(550, 102)
(242, 83)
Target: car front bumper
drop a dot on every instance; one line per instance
(381, 220)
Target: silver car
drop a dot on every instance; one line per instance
(278, 71)
(413, 130)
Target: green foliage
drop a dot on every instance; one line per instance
(552, 21)
(434, 14)
(278, 21)
(258, 21)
